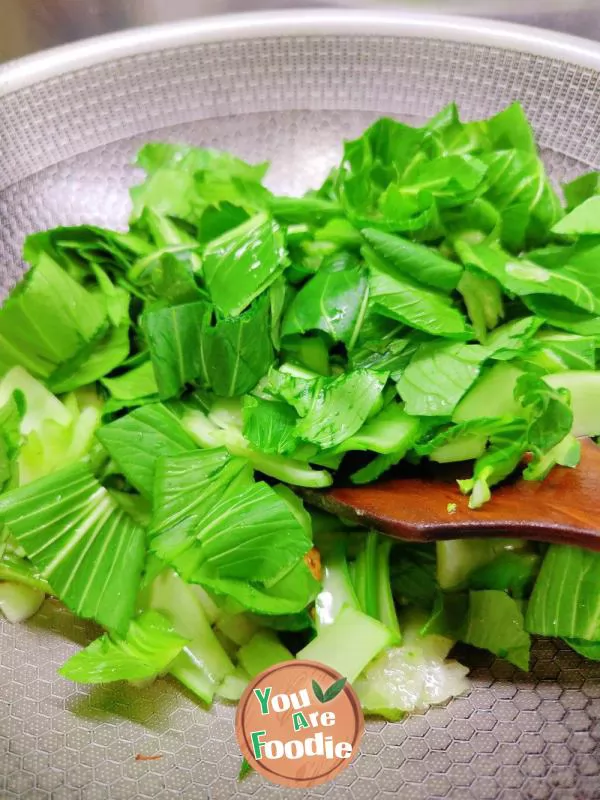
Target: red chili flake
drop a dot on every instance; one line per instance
(140, 757)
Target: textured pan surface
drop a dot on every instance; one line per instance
(64, 148)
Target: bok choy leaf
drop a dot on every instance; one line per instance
(87, 548)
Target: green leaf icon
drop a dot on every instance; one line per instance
(329, 694)
(334, 690)
(318, 692)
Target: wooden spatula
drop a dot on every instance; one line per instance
(422, 507)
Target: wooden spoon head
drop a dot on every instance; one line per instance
(563, 508)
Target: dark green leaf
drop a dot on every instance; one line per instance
(387, 355)
(289, 595)
(334, 301)
(176, 343)
(520, 189)
(332, 692)
(438, 375)
(10, 443)
(561, 313)
(508, 445)
(506, 130)
(555, 351)
(229, 355)
(167, 275)
(402, 299)
(377, 467)
(373, 161)
(310, 209)
(239, 351)
(139, 439)
(413, 577)
(550, 413)
(318, 692)
(148, 647)
(589, 650)
(390, 431)
(512, 571)
(336, 408)
(270, 426)
(90, 551)
(47, 319)
(512, 338)
(483, 299)
(523, 277)
(242, 263)
(581, 189)
(547, 419)
(495, 623)
(176, 175)
(135, 383)
(565, 600)
(441, 372)
(480, 427)
(419, 263)
(210, 514)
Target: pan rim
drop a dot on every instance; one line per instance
(30, 70)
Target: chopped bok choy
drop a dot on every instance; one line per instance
(162, 388)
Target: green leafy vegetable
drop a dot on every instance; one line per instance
(87, 548)
(146, 650)
(337, 589)
(402, 299)
(333, 301)
(458, 559)
(523, 277)
(555, 351)
(438, 375)
(440, 372)
(182, 181)
(432, 300)
(138, 440)
(175, 338)
(10, 440)
(242, 263)
(238, 351)
(137, 383)
(291, 594)
(387, 432)
(520, 189)
(495, 623)
(338, 407)
(564, 601)
(583, 219)
(270, 426)
(415, 260)
(547, 420)
(483, 299)
(47, 320)
(513, 571)
(202, 665)
(581, 189)
(211, 515)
